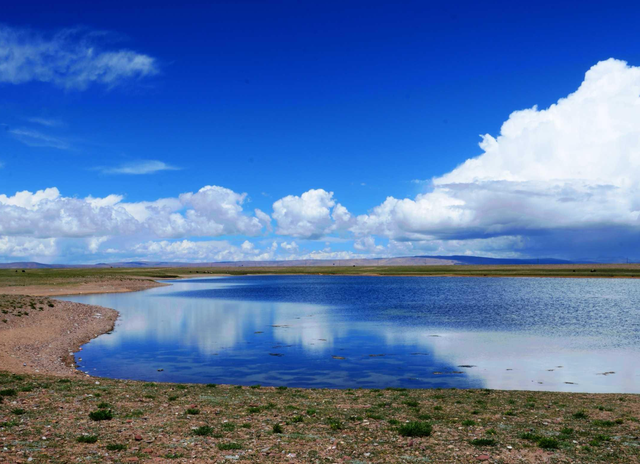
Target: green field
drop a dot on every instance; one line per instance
(16, 277)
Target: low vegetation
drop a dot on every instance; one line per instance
(67, 420)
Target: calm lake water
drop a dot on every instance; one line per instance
(375, 332)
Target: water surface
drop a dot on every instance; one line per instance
(375, 332)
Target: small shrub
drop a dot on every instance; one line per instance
(193, 411)
(87, 439)
(211, 385)
(297, 419)
(203, 431)
(483, 442)
(334, 424)
(228, 426)
(567, 431)
(530, 436)
(548, 443)
(8, 392)
(598, 440)
(580, 415)
(415, 429)
(468, 423)
(603, 423)
(277, 428)
(101, 415)
(229, 446)
(116, 447)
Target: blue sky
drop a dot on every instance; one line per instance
(356, 102)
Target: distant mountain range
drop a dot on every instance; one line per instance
(402, 261)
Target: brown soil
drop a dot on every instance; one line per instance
(39, 335)
(85, 287)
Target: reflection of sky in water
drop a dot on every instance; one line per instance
(543, 334)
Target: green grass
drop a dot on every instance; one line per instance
(101, 415)
(548, 443)
(277, 428)
(335, 424)
(193, 411)
(229, 446)
(116, 447)
(483, 442)
(580, 415)
(87, 439)
(415, 429)
(203, 431)
(9, 278)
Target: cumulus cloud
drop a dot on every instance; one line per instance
(311, 215)
(139, 168)
(550, 174)
(562, 181)
(71, 59)
(212, 211)
(23, 247)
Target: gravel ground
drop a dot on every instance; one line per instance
(49, 419)
(39, 335)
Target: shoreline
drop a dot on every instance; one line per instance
(41, 335)
(47, 411)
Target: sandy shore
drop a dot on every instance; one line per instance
(40, 335)
(86, 287)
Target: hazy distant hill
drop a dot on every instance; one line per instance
(402, 261)
(461, 259)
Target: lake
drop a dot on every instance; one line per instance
(578, 335)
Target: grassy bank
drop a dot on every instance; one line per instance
(13, 277)
(58, 420)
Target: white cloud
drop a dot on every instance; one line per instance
(310, 215)
(46, 122)
(549, 175)
(291, 247)
(562, 181)
(71, 59)
(35, 138)
(368, 244)
(140, 167)
(212, 211)
(22, 247)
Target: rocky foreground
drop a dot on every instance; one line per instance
(80, 419)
